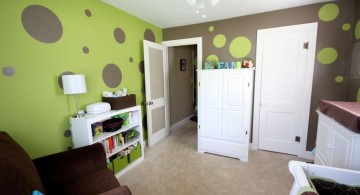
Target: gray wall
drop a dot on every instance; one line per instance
(181, 87)
(330, 34)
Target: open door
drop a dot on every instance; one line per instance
(157, 91)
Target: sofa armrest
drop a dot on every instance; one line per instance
(58, 169)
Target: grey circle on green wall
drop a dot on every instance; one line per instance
(327, 55)
(339, 79)
(67, 133)
(141, 67)
(131, 60)
(88, 13)
(213, 58)
(149, 35)
(345, 27)
(111, 75)
(41, 23)
(60, 79)
(357, 30)
(328, 12)
(8, 71)
(85, 50)
(219, 41)
(119, 35)
(211, 29)
(240, 47)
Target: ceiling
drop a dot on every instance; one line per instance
(173, 13)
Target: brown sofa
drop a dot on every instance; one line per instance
(78, 171)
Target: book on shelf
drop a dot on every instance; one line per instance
(113, 142)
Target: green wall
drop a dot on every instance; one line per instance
(42, 40)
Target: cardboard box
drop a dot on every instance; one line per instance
(118, 103)
(120, 162)
(135, 154)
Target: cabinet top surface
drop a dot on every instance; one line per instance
(107, 114)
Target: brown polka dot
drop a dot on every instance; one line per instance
(112, 75)
(67, 133)
(141, 67)
(149, 35)
(85, 50)
(131, 60)
(41, 23)
(60, 79)
(88, 13)
(119, 35)
(8, 71)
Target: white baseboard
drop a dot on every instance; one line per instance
(308, 155)
(180, 123)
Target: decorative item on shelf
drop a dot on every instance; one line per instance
(118, 103)
(125, 117)
(238, 64)
(248, 63)
(113, 124)
(208, 65)
(226, 65)
(182, 64)
(97, 129)
(74, 84)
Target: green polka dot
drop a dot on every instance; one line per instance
(327, 55)
(211, 28)
(328, 12)
(240, 47)
(358, 96)
(345, 27)
(213, 58)
(357, 30)
(339, 79)
(219, 41)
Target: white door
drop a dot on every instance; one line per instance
(285, 62)
(156, 88)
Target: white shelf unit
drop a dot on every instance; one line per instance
(82, 133)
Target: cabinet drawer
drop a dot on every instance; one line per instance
(232, 149)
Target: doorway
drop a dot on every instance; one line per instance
(284, 72)
(185, 57)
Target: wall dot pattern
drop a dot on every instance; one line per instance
(131, 60)
(88, 13)
(240, 47)
(339, 79)
(111, 75)
(213, 58)
(41, 23)
(211, 29)
(149, 35)
(119, 35)
(357, 30)
(67, 133)
(345, 27)
(219, 41)
(85, 50)
(60, 79)
(328, 12)
(327, 55)
(8, 71)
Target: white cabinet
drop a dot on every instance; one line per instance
(82, 133)
(336, 146)
(225, 110)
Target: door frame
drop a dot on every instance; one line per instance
(183, 42)
(309, 71)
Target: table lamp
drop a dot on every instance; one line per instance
(74, 84)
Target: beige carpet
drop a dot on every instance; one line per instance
(174, 167)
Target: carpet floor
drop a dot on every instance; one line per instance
(174, 167)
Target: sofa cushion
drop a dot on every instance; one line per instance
(94, 183)
(18, 174)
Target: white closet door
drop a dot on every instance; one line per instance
(211, 99)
